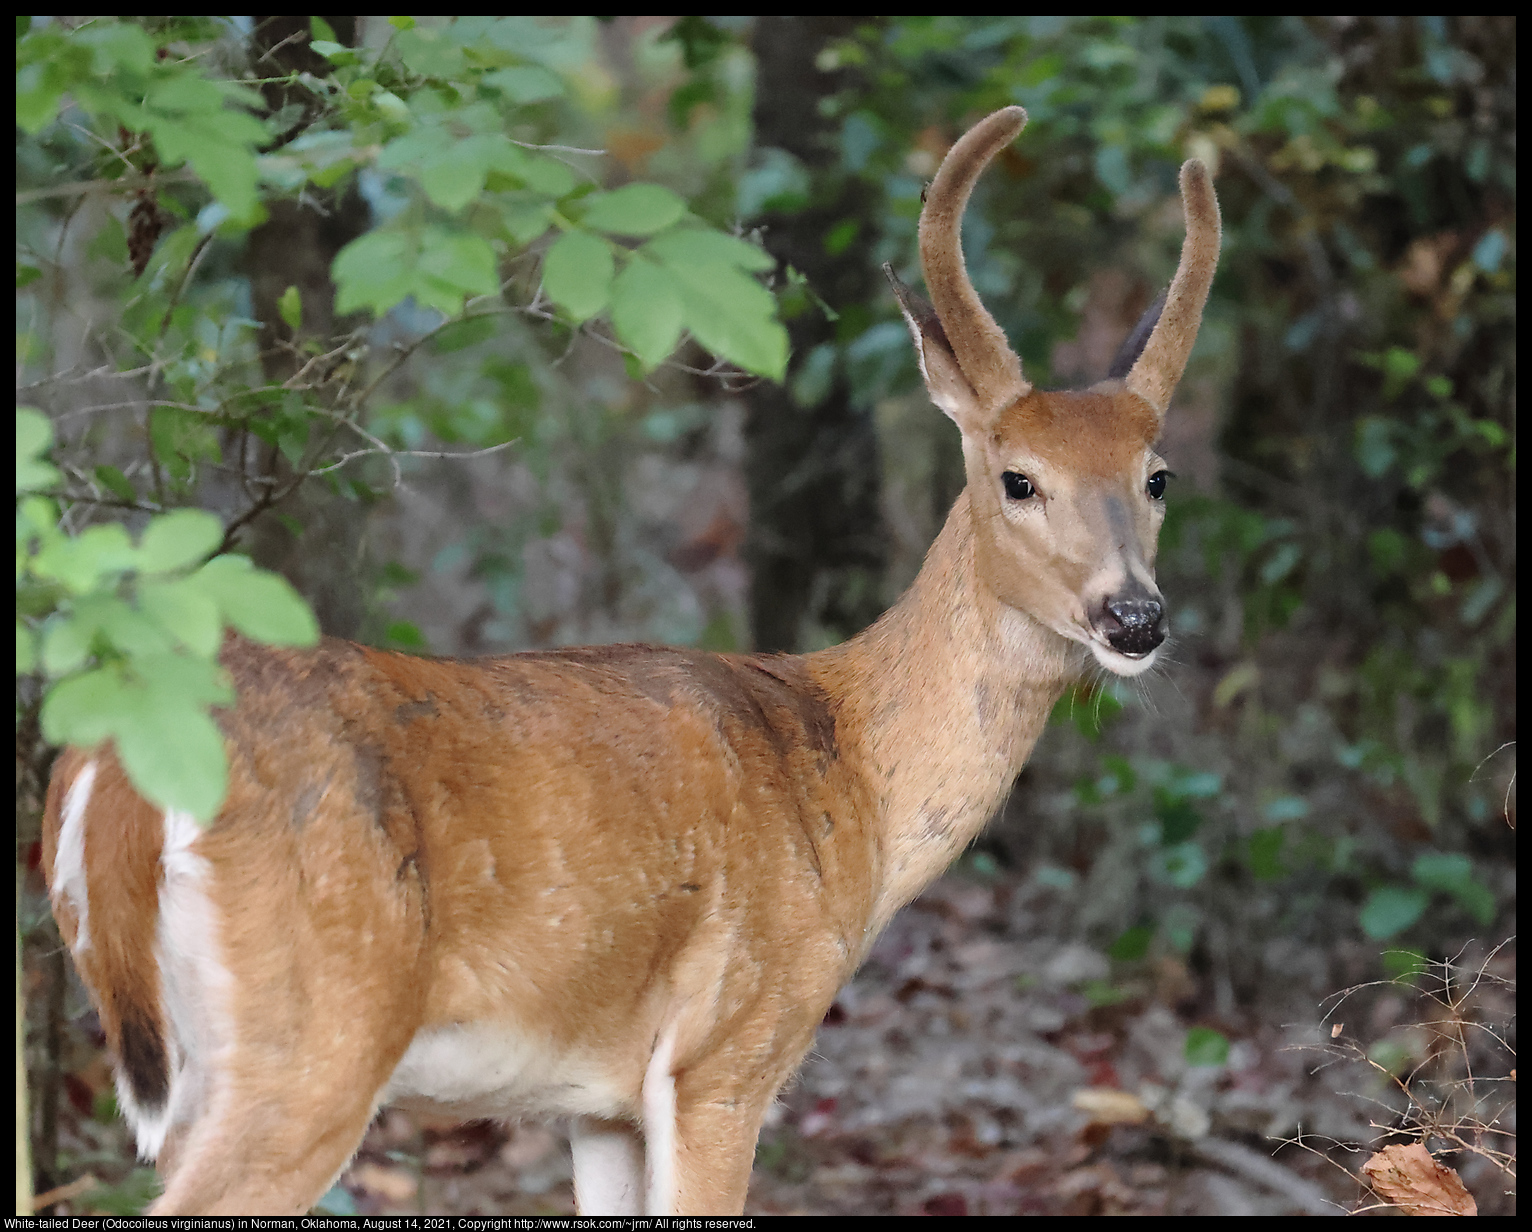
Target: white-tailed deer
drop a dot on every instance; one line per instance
(618, 884)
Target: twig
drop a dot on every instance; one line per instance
(62, 1193)
(414, 453)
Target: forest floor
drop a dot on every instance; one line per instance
(975, 1067)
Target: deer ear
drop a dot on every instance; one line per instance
(1163, 356)
(939, 367)
(1133, 345)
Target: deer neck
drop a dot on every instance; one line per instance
(945, 697)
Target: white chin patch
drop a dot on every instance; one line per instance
(1121, 664)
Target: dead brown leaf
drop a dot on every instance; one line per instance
(1106, 1106)
(394, 1185)
(1407, 1176)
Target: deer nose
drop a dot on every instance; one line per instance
(1134, 626)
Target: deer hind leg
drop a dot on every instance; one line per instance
(276, 1131)
(287, 1035)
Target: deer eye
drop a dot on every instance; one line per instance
(1018, 486)
(1156, 485)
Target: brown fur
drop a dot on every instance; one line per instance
(1159, 367)
(608, 850)
(978, 343)
(122, 884)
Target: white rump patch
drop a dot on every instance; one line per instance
(69, 860)
(194, 987)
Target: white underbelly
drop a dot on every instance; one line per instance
(493, 1070)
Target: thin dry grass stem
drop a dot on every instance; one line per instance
(1449, 1097)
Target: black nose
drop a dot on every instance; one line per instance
(1134, 626)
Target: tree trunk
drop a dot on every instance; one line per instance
(815, 545)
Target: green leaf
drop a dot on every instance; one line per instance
(1281, 562)
(405, 635)
(1265, 858)
(115, 482)
(34, 436)
(86, 709)
(1179, 818)
(175, 756)
(186, 611)
(1375, 450)
(733, 316)
(34, 432)
(37, 516)
(177, 539)
(1205, 1046)
(1132, 945)
(1452, 872)
(181, 439)
(1182, 865)
(1092, 710)
(375, 271)
(1404, 964)
(647, 309)
(1195, 784)
(83, 563)
(439, 267)
(262, 606)
(1440, 870)
(38, 94)
(525, 83)
(452, 172)
(430, 52)
(1389, 910)
(634, 209)
(525, 222)
(778, 183)
(465, 333)
(26, 648)
(219, 145)
(123, 626)
(336, 53)
(128, 1196)
(577, 274)
(1387, 547)
(536, 171)
(171, 749)
(67, 641)
(696, 246)
(201, 681)
(1266, 854)
(454, 265)
(290, 308)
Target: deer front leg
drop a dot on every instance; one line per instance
(700, 1130)
(715, 1139)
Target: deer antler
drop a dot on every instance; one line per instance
(1154, 377)
(978, 343)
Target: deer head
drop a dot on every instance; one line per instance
(1065, 488)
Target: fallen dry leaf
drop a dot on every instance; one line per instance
(394, 1185)
(1107, 1106)
(1409, 1178)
